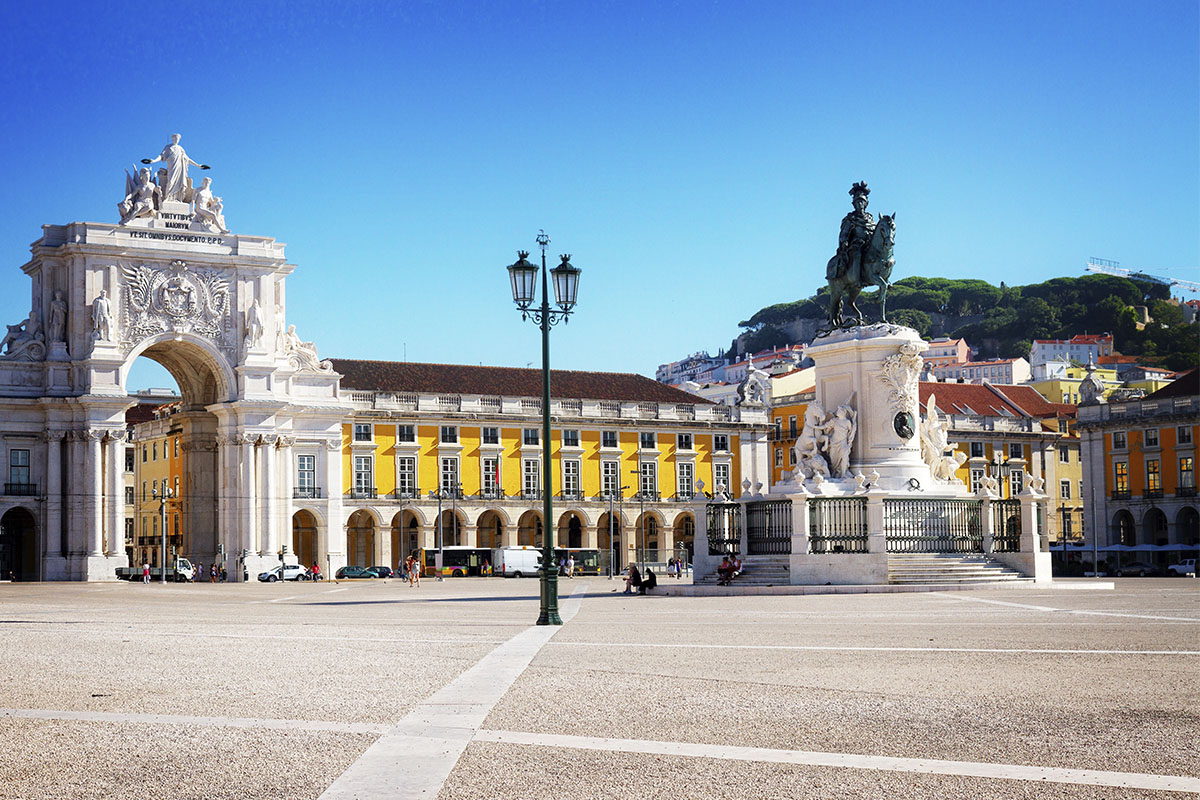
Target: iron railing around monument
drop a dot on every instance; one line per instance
(1006, 526)
(769, 527)
(724, 525)
(933, 526)
(837, 525)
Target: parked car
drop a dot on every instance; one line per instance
(1139, 568)
(354, 572)
(293, 572)
(1184, 567)
(381, 571)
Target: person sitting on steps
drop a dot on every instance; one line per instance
(634, 579)
(648, 582)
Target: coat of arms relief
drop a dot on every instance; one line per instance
(176, 298)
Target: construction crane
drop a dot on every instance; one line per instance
(1115, 268)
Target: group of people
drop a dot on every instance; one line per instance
(566, 566)
(411, 570)
(676, 567)
(635, 580)
(730, 568)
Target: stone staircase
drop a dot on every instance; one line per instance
(758, 571)
(948, 568)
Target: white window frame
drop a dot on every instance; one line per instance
(571, 469)
(1016, 481)
(19, 470)
(1146, 437)
(489, 480)
(1122, 443)
(448, 475)
(406, 433)
(721, 442)
(364, 479)
(531, 477)
(977, 476)
(570, 437)
(1064, 489)
(531, 437)
(361, 427)
(1183, 435)
(648, 478)
(1187, 477)
(306, 473)
(647, 436)
(722, 475)
(1064, 455)
(610, 478)
(406, 476)
(685, 480)
(448, 434)
(684, 441)
(486, 437)
(606, 435)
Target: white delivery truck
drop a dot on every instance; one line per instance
(516, 562)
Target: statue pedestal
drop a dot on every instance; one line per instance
(876, 369)
(58, 352)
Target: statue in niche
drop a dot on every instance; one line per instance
(208, 209)
(102, 318)
(254, 324)
(175, 184)
(841, 428)
(864, 258)
(58, 318)
(142, 197)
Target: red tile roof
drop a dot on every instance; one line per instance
(989, 400)
(1186, 385)
(396, 376)
(142, 412)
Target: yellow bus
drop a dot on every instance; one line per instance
(457, 562)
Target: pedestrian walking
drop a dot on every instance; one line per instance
(224, 574)
(316, 571)
(212, 574)
(145, 572)
(570, 566)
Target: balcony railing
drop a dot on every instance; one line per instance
(683, 498)
(307, 493)
(362, 493)
(407, 494)
(20, 489)
(528, 495)
(647, 496)
(1120, 494)
(1152, 494)
(571, 495)
(1185, 491)
(491, 494)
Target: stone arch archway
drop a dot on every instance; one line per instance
(306, 539)
(529, 529)
(202, 372)
(570, 529)
(685, 536)
(490, 529)
(1187, 526)
(1154, 527)
(19, 552)
(360, 539)
(1123, 529)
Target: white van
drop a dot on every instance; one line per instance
(516, 562)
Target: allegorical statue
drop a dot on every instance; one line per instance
(863, 258)
(209, 209)
(840, 428)
(58, 317)
(174, 185)
(102, 318)
(142, 196)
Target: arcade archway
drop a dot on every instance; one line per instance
(18, 545)
(360, 539)
(304, 538)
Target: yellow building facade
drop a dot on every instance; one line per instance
(158, 462)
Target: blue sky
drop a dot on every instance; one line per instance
(694, 158)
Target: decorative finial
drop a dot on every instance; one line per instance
(859, 188)
(522, 254)
(566, 258)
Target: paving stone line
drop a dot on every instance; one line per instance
(207, 722)
(1064, 610)
(854, 649)
(1131, 780)
(414, 758)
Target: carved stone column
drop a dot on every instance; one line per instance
(270, 496)
(225, 454)
(246, 517)
(335, 531)
(287, 478)
(94, 483)
(53, 543)
(115, 494)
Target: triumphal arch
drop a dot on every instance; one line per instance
(171, 282)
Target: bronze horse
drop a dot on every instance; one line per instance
(875, 267)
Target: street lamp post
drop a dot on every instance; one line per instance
(523, 275)
(641, 496)
(612, 547)
(167, 493)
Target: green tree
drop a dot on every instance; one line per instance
(917, 320)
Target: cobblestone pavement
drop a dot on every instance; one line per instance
(373, 689)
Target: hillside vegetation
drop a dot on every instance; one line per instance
(1002, 321)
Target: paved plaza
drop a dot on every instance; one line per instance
(374, 689)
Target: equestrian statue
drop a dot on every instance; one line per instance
(864, 258)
